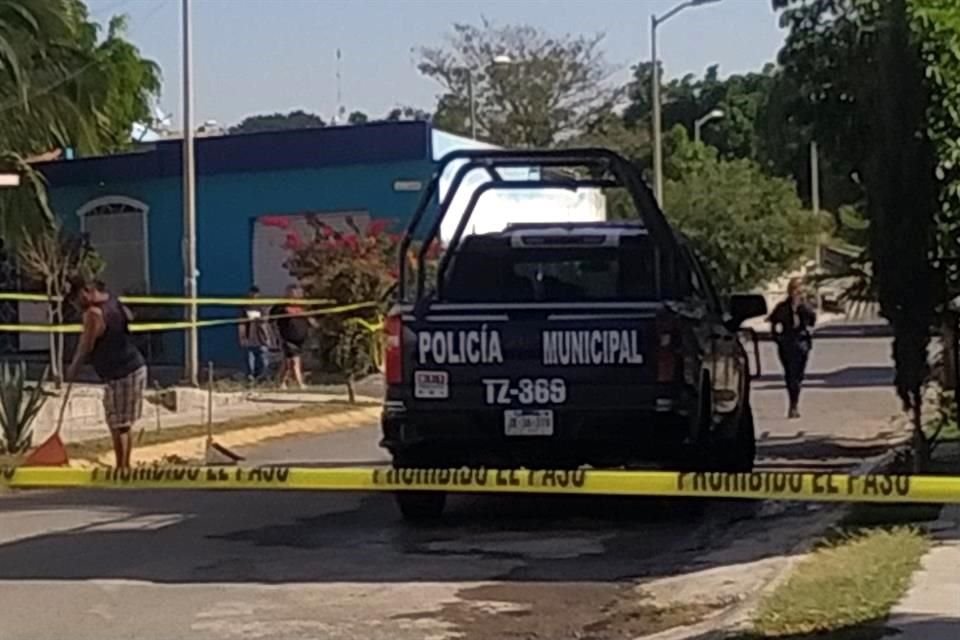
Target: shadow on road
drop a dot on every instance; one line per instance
(845, 378)
(290, 537)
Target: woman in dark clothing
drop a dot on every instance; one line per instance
(791, 324)
(293, 327)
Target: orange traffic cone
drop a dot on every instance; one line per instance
(52, 452)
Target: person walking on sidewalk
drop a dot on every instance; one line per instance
(293, 327)
(107, 344)
(791, 325)
(254, 336)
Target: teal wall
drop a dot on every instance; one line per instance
(227, 205)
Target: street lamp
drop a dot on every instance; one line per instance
(9, 180)
(657, 134)
(501, 60)
(716, 114)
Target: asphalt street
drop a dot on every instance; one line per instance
(181, 565)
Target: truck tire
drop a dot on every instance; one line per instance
(740, 452)
(421, 507)
(418, 507)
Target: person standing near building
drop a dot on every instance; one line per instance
(107, 344)
(254, 335)
(791, 325)
(293, 327)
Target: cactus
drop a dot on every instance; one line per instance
(19, 405)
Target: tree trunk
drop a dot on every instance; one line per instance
(351, 392)
(948, 332)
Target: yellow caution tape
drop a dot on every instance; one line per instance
(378, 344)
(762, 485)
(175, 300)
(143, 327)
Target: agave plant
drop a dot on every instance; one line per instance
(19, 405)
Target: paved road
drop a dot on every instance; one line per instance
(245, 566)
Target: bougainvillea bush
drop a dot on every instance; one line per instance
(352, 267)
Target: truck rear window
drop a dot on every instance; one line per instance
(579, 274)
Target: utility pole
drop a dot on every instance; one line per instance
(473, 104)
(189, 209)
(657, 135)
(815, 202)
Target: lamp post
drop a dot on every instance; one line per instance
(716, 114)
(655, 22)
(9, 180)
(501, 60)
(189, 210)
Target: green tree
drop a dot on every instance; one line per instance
(357, 117)
(298, 119)
(531, 89)
(60, 86)
(880, 77)
(749, 227)
(406, 113)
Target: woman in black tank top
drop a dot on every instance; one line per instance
(107, 344)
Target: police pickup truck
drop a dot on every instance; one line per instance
(554, 346)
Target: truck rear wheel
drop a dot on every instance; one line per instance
(739, 454)
(420, 507)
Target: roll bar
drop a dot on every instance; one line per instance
(624, 174)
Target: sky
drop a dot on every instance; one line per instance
(257, 56)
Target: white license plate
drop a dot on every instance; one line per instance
(431, 385)
(528, 423)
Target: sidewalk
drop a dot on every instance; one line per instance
(931, 609)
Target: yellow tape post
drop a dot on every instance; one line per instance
(805, 486)
(178, 301)
(142, 327)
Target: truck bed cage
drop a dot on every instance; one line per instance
(613, 171)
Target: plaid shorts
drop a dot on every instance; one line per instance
(123, 399)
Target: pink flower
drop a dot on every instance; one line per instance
(292, 242)
(280, 222)
(377, 227)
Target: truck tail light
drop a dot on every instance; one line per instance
(393, 356)
(667, 345)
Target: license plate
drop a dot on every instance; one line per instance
(528, 423)
(431, 385)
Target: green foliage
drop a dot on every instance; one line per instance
(357, 117)
(937, 25)
(348, 268)
(298, 119)
(748, 227)
(61, 86)
(870, 96)
(406, 113)
(550, 88)
(134, 84)
(19, 405)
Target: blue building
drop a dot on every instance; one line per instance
(131, 207)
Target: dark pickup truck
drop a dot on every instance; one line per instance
(562, 345)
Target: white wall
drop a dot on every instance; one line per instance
(497, 208)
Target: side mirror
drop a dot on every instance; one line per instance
(746, 306)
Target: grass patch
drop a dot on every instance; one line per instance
(95, 448)
(845, 587)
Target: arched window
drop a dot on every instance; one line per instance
(117, 227)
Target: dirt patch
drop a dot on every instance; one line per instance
(547, 611)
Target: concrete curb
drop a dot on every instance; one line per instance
(194, 447)
(736, 618)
